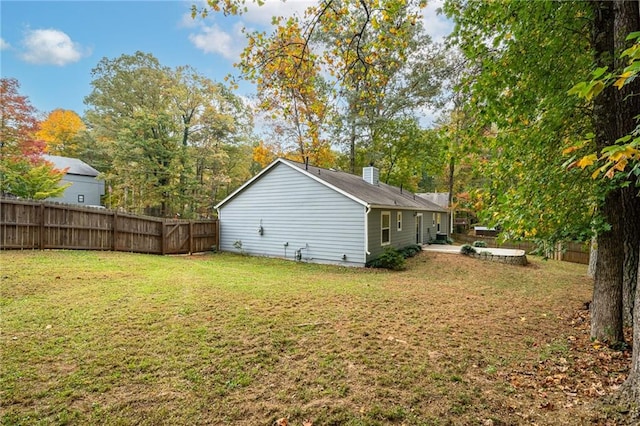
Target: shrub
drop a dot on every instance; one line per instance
(479, 244)
(391, 259)
(411, 250)
(467, 250)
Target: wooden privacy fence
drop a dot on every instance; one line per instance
(42, 225)
(567, 252)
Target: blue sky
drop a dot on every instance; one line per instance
(51, 46)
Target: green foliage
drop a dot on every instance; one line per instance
(525, 57)
(395, 259)
(35, 181)
(411, 250)
(622, 157)
(392, 259)
(467, 250)
(479, 244)
(167, 140)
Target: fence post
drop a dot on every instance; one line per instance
(217, 228)
(163, 225)
(42, 227)
(190, 237)
(114, 227)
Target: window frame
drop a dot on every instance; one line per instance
(383, 229)
(399, 221)
(81, 198)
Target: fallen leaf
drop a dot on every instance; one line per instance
(547, 405)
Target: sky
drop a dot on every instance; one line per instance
(50, 47)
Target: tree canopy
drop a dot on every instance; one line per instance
(166, 136)
(23, 172)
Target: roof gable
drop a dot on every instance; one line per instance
(351, 186)
(74, 166)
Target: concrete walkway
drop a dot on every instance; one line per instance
(442, 248)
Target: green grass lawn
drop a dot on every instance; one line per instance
(118, 339)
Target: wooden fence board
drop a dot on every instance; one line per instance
(42, 225)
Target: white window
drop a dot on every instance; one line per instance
(385, 226)
(433, 219)
(80, 198)
(439, 219)
(399, 220)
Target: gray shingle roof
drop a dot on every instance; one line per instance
(440, 198)
(380, 195)
(76, 166)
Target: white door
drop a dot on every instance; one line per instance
(419, 228)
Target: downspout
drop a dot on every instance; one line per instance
(451, 219)
(218, 230)
(366, 232)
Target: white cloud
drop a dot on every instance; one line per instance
(213, 39)
(188, 21)
(262, 15)
(436, 25)
(3, 44)
(50, 47)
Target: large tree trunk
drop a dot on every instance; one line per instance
(627, 20)
(606, 307)
(593, 257)
(631, 230)
(631, 387)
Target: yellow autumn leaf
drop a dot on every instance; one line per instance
(587, 161)
(610, 173)
(620, 165)
(622, 79)
(570, 149)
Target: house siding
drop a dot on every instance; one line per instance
(399, 239)
(431, 228)
(87, 186)
(407, 236)
(295, 209)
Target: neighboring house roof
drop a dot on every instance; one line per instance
(440, 198)
(352, 186)
(74, 165)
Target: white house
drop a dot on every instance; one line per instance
(297, 211)
(86, 189)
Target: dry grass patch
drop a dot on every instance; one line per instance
(113, 338)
